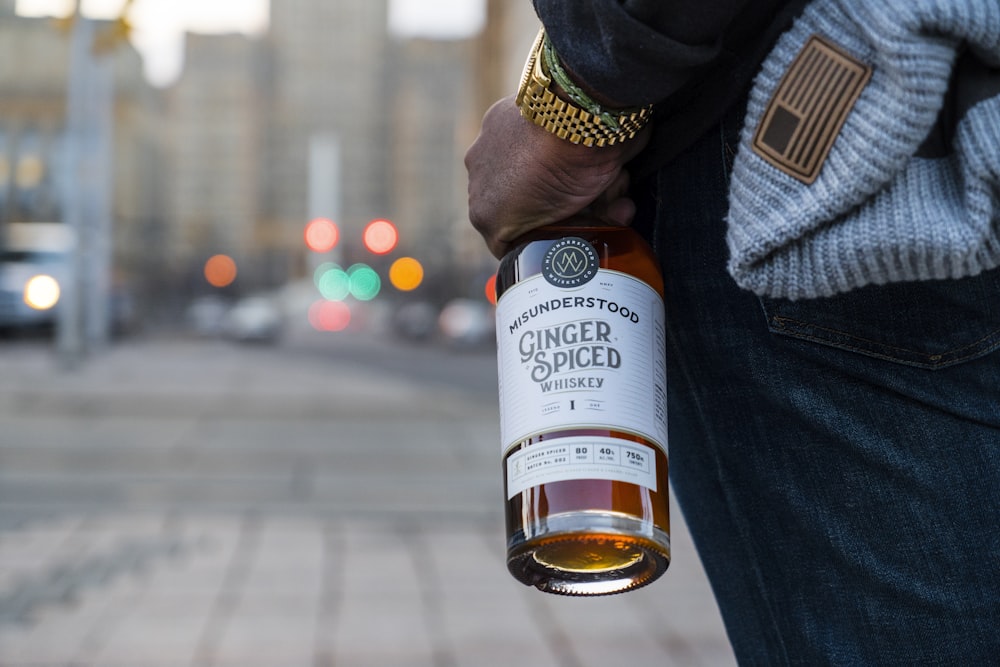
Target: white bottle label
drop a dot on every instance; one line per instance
(581, 457)
(588, 356)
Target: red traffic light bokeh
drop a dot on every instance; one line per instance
(380, 237)
(321, 235)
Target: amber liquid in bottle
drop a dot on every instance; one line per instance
(577, 534)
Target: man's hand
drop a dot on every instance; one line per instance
(522, 177)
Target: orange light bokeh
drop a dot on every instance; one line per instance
(491, 289)
(321, 235)
(220, 270)
(406, 274)
(380, 236)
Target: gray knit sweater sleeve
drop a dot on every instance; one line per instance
(874, 212)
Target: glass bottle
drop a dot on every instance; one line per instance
(582, 371)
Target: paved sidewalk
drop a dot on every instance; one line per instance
(202, 504)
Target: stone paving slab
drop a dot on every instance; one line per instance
(271, 591)
(144, 527)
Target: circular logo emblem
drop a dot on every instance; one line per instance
(570, 262)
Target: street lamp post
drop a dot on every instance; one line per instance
(84, 321)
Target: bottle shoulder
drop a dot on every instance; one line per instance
(616, 248)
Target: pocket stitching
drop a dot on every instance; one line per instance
(932, 361)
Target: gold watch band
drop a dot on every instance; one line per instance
(540, 105)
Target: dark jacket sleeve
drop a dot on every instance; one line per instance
(636, 52)
(691, 58)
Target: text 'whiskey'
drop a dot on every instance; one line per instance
(582, 372)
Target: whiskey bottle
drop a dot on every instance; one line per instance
(582, 371)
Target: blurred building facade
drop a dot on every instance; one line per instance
(33, 130)
(440, 91)
(236, 156)
(326, 140)
(214, 124)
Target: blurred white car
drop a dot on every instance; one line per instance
(255, 318)
(467, 322)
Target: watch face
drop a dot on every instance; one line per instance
(529, 66)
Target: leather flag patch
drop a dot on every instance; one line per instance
(808, 109)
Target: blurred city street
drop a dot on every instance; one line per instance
(204, 488)
(329, 500)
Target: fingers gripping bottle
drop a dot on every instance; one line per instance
(582, 371)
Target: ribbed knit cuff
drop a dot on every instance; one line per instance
(875, 213)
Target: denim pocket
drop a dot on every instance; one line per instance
(932, 324)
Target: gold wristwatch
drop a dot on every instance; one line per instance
(539, 104)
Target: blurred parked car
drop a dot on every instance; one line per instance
(255, 319)
(206, 315)
(34, 266)
(415, 321)
(467, 322)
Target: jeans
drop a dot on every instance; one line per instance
(837, 460)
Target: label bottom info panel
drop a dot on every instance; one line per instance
(581, 457)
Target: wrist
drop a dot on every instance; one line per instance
(565, 86)
(549, 98)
